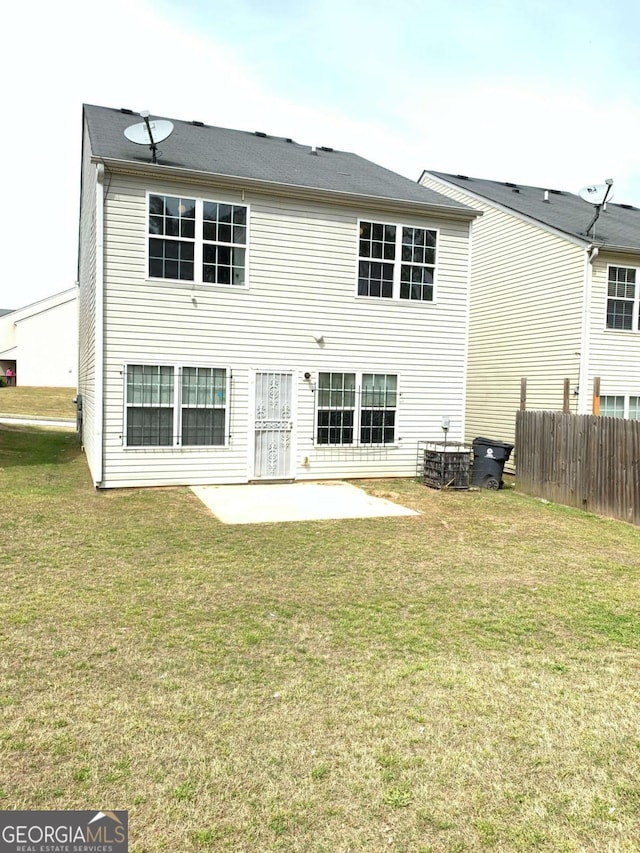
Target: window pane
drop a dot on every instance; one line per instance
(149, 427)
(619, 314)
(335, 427)
(204, 386)
(612, 407)
(202, 426)
(377, 426)
(634, 408)
(149, 385)
(375, 279)
(170, 259)
(416, 283)
(377, 241)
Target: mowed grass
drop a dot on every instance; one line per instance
(38, 402)
(463, 680)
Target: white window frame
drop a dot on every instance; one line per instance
(198, 242)
(635, 316)
(358, 408)
(177, 405)
(397, 262)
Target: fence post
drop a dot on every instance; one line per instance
(523, 394)
(596, 396)
(565, 399)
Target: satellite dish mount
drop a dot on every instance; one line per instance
(597, 195)
(149, 133)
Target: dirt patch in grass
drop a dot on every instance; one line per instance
(38, 402)
(461, 680)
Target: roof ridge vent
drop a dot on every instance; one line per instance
(463, 177)
(261, 134)
(127, 111)
(509, 184)
(325, 148)
(198, 123)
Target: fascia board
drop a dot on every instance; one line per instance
(290, 190)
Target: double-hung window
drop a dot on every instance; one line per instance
(169, 406)
(356, 408)
(195, 240)
(622, 299)
(396, 261)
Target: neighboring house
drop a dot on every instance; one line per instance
(255, 309)
(549, 301)
(39, 343)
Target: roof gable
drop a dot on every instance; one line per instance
(618, 226)
(258, 157)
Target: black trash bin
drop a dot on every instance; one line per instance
(489, 457)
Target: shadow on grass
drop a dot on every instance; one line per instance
(20, 446)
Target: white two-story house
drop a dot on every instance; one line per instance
(255, 309)
(555, 292)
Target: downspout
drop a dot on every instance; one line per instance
(99, 327)
(590, 254)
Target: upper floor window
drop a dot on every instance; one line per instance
(622, 299)
(195, 240)
(169, 406)
(396, 261)
(356, 408)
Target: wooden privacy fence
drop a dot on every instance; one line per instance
(585, 461)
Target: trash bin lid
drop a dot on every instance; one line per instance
(491, 442)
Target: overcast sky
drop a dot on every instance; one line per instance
(544, 92)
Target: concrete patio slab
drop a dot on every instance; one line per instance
(263, 503)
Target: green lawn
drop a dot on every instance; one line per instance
(38, 402)
(459, 681)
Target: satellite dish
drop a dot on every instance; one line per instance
(596, 193)
(149, 133)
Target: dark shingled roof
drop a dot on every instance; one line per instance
(242, 154)
(617, 226)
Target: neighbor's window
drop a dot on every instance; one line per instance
(622, 301)
(168, 406)
(354, 408)
(396, 262)
(612, 407)
(621, 406)
(197, 240)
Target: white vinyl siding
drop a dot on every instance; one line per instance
(87, 307)
(614, 354)
(302, 261)
(527, 302)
